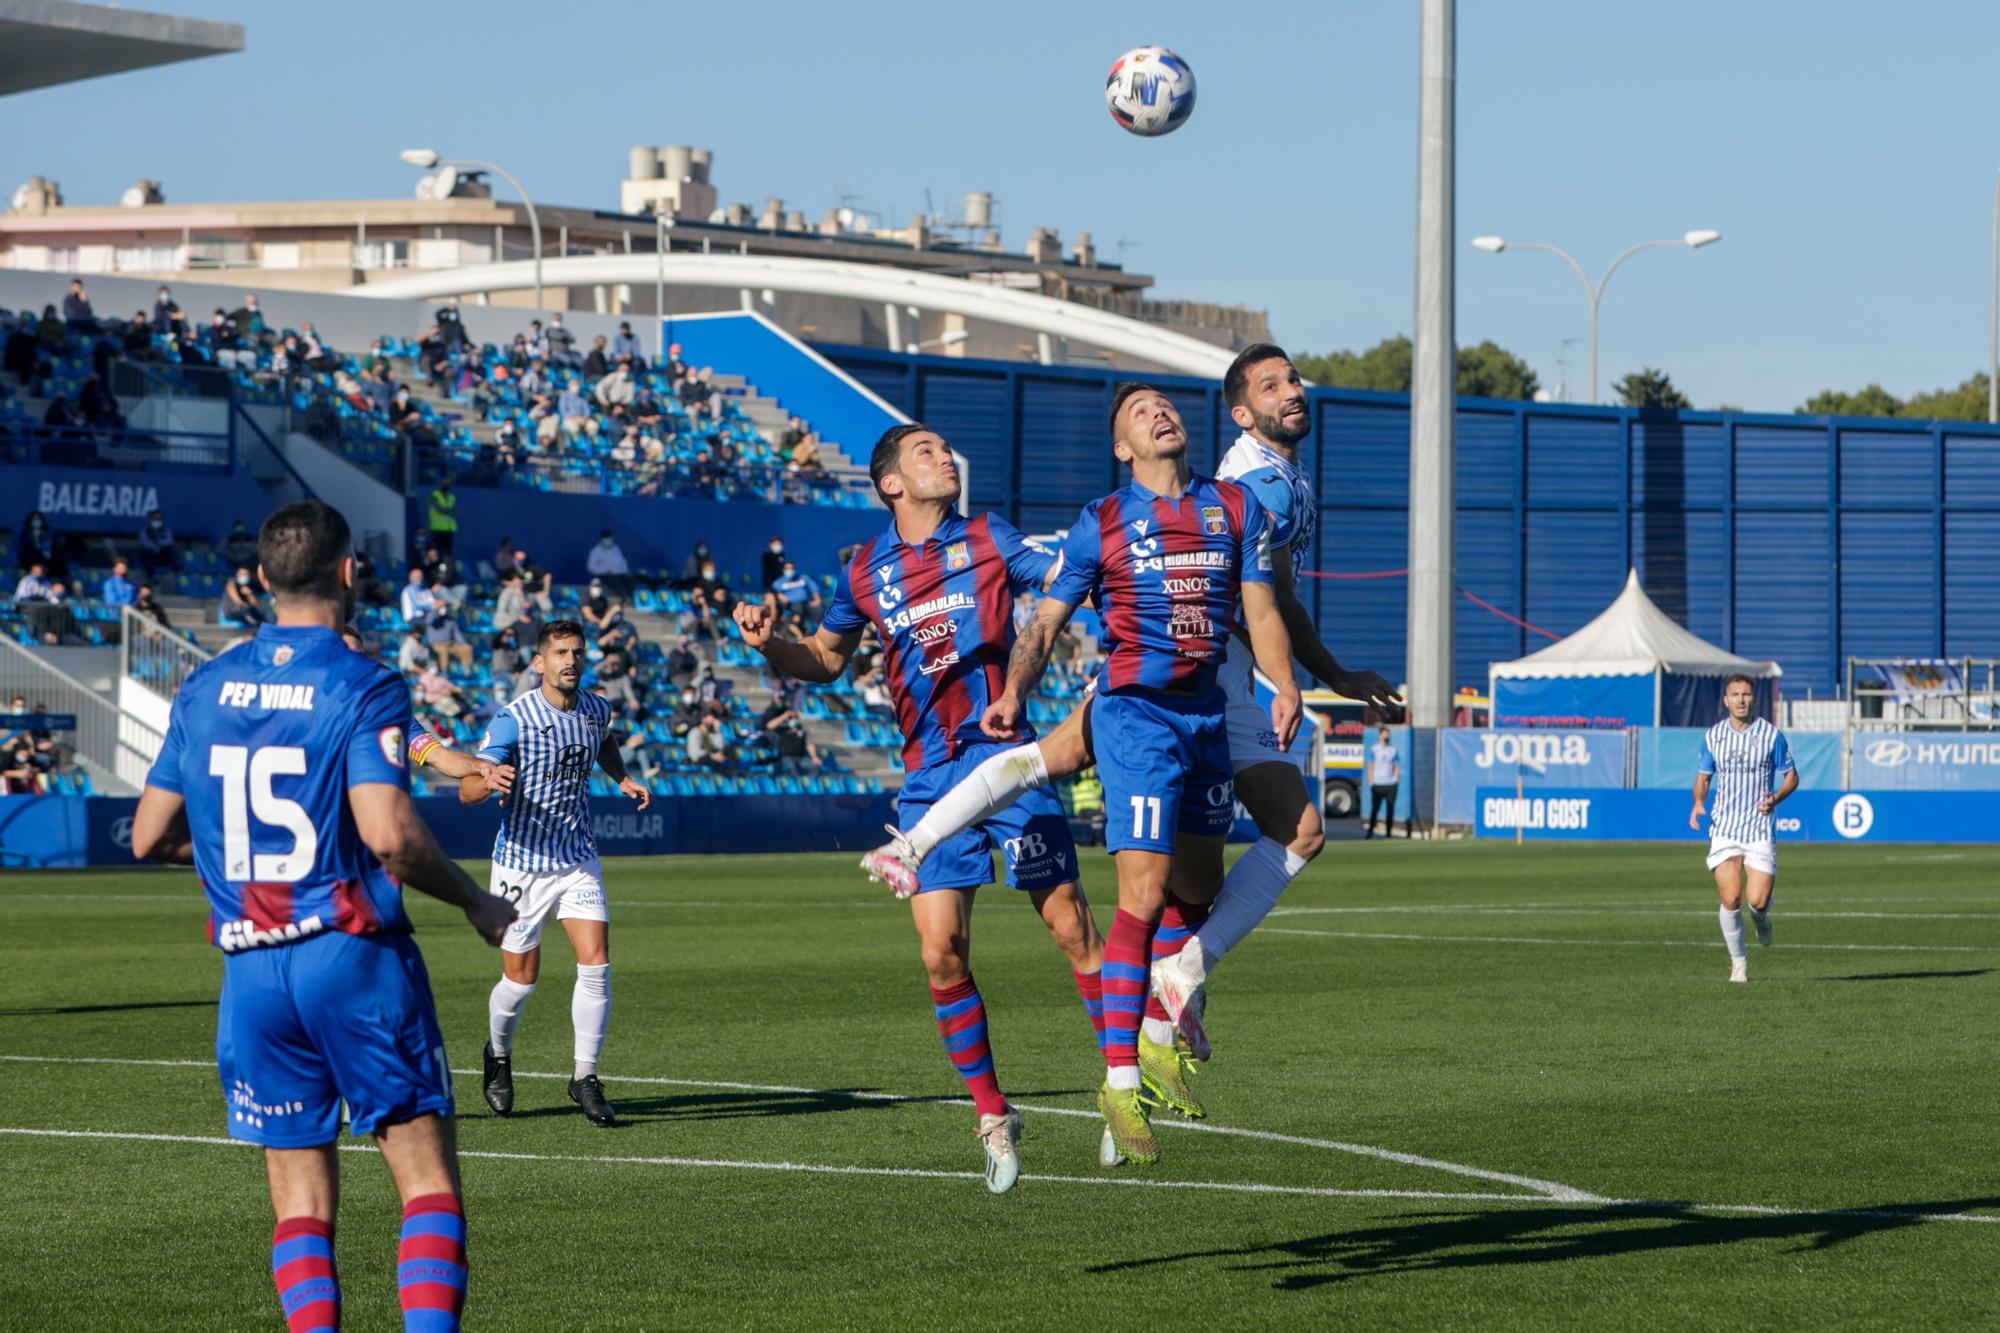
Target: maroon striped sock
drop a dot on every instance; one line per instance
(1124, 988)
(961, 1020)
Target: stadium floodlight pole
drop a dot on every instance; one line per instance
(1693, 240)
(426, 158)
(664, 224)
(1433, 386)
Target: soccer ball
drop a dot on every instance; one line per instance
(1150, 91)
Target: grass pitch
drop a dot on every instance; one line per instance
(1474, 1086)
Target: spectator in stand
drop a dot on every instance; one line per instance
(23, 348)
(318, 356)
(597, 362)
(438, 693)
(651, 474)
(446, 575)
(76, 309)
(619, 642)
(444, 516)
(773, 562)
(707, 476)
(148, 605)
(490, 707)
(157, 552)
(503, 558)
(562, 344)
(805, 455)
(573, 407)
(625, 453)
(445, 637)
(412, 656)
(527, 629)
(242, 604)
(21, 774)
(794, 597)
(509, 602)
(708, 748)
(537, 342)
(795, 430)
(37, 545)
(379, 388)
(600, 610)
(692, 566)
(626, 345)
(240, 546)
(117, 589)
(711, 590)
(797, 754)
(369, 589)
(682, 661)
(471, 373)
(615, 683)
(607, 564)
(535, 583)
(676, 369)
(694, 392)
(451, 329)
(509, 653)
(98, 406)
(249, 320)
(615, 392)
(165, 313)
(417, 599)
(220, 335)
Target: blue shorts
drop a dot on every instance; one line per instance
(330, 1018)
(1033, 832)
(1164, 761)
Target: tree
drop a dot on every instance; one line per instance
(1491, 371)
(1873, 401)
(1650, 388)
(1485, 371)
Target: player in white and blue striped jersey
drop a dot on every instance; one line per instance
(1747, 768)
(545, 857)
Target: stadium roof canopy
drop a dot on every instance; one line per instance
(1633, 637)
(47, 42)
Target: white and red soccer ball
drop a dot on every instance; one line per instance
(1150, 91)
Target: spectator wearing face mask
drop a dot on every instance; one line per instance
(240, 546)
(691, 567)
(157, 552)
(242, 604)
(773, 562)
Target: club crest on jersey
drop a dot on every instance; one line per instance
(957, 556)
(391, 741)
(282, 656)
(1213, 521)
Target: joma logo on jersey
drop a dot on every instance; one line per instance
(236, 935)
(250, 693)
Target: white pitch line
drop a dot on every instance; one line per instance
(1130, 1182)
(1546, 1188)
(1535, 909)
(1604, 944)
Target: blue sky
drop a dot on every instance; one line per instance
(1847, 152)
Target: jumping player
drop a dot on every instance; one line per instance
(1267, 400)
(1167, 560)
(283, 781)
(939, 590)
(545, 859)
(1741, 757)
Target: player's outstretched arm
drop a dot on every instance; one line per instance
(457, 766)
(1367, 686)
(1025, 667)
(818, 660)
(613, 764)
(388, 823)
(160, 828)
(1272, 647)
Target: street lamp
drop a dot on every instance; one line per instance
(426, 158)
(1693, 240)
(951, 339)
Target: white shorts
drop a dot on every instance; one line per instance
(1755, 855)
(1251, 738)
(574, 892)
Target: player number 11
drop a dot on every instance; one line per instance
(246, 790)
(1142, 806)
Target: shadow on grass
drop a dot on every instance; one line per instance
(730, 1104)
(107, 1008)
(1532, 1234)
(1911, 976)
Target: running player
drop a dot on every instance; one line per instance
(545, 858)
(283, 781)
(1267, 400)
(428, 749)
(1741, 757)
(1167, 559)
(939, 590)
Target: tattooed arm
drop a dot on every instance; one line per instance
(1030, 659)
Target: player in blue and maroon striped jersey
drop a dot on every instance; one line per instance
(1168, 560)
(939, 590)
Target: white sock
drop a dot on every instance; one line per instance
(986, 790)
(503, 1012)
(590, 1014)
(1121, 1076)
(1249, 891)
(1157, 1030)
(1732, 932)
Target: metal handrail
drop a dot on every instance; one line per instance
(97, 720)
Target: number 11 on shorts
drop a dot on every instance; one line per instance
(1142, 807)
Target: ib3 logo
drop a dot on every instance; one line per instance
(1853, 816)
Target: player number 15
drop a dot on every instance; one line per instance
(246, 790)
